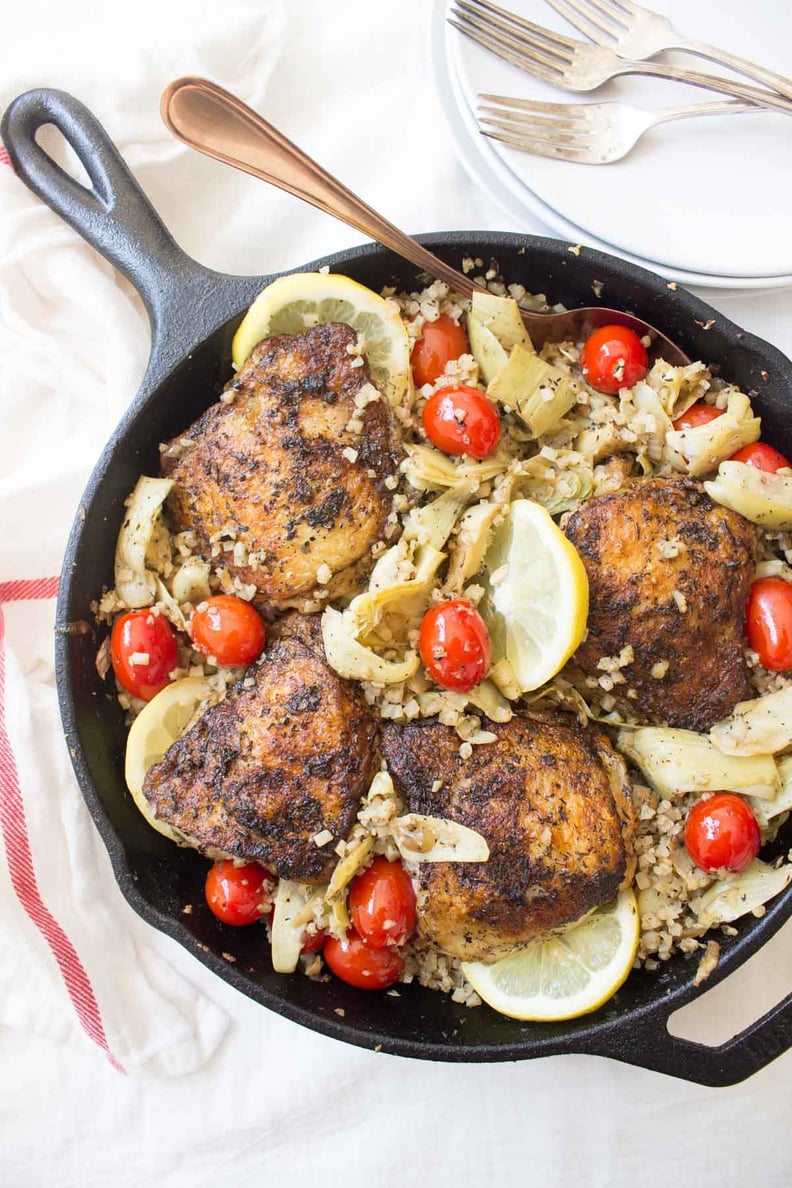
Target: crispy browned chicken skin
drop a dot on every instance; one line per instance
(270, 463)
(273, 764)
(553, 803)
(669, 574)
(640, 545)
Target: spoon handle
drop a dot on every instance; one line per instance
(213, 121)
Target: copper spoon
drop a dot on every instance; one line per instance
(210, 119)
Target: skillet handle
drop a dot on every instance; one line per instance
(649, 1044)
(114, 215)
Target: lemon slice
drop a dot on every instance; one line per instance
(566, 975)
(296, 302)
(163, 720)
(537, 594)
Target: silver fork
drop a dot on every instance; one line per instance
(587, 133)
(576, 65)
(638, 33)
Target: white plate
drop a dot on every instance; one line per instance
(660, 207)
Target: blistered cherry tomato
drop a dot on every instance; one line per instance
(698, 414)
(768, 622)
(614, 357)
(722, 832)
(455, 645)
(382, 903)
(312, 942)
(440, 342)
(461, 420)
(229, 629)
(144, 652)
(239, 895)
(360, 964)
(762, 457)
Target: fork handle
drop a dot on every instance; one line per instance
(710, 82)
(769, 78)
(720, 107)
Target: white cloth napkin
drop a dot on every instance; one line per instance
(74, 961)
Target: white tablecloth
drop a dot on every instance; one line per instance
(350, 82)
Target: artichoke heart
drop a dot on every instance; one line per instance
(433, 524)
(758, 727)
(537, 391)
(763, 498)
(471, 543)
(429, 470)
(143, 543)
(486, 350)
(351, 659)
(700, 450)
(676, 762)
(728, 899)
(502, 317)
(678, 387)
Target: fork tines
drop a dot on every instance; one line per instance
(522, 43)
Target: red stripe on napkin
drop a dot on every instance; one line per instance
(4, 157)
(18, 853)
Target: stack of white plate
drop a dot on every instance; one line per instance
(705, 202)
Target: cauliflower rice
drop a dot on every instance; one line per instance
(599, 443)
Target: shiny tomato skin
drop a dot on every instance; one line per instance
(613, 357)
(440, 342)
(722, 833)
(698, 414)
(462, 420)
(768, 622)
(139, 633)
(382, 903)
(455, 645)
(312, 942)
(229, 629)
(360, 964)
(236, 894)
(761, 456)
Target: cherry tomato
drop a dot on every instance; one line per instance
(762, 456)
(455, 645)
(698, 414)
(382, 903)
(239, 895)
(144, 652)
(614, 357)
(312, 942)
(440, 342)
(768, 622)
(722, 832)
(360, 964)
(462, 420)
(229, 629)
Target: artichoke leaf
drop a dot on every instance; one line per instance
(435, 839)
(763, 498)
(537, 391)
(676, 762)
(141, 543)
(351, 659)
(471, 543)
(700, 450)
(486, 350)
(729, 899)
(761, 726)
(501, 316)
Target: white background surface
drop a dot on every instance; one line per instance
(277, 1103)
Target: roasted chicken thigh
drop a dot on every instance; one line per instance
(286, 755)
(669, 576)
(553, 803)
(292, 468)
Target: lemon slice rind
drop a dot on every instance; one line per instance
(564, 976)
(295, 302)
(156, 727)
(539, 607)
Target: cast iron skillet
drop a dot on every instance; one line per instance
(193, 315)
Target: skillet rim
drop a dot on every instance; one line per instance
(600, 1035)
